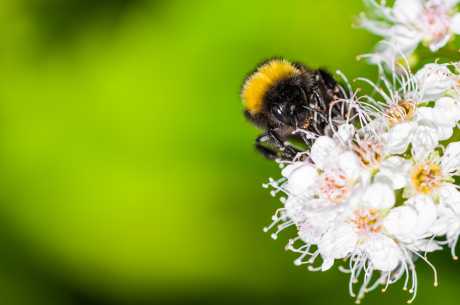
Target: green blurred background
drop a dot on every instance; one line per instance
(128, 174)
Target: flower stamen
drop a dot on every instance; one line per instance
(401, 112)
(426, 177)
(367, 220)
(335, 187)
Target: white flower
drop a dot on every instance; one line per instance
(360, 224)
(448, 195)
(423, 137)
(394, 171)
(330, 176)
(411, 223)
(315, 187)
(389, 169)
(433, 80)
(404, 116)
(377, 238)
(443, 117)
(423, 127)
(409, 23)
(430, 175)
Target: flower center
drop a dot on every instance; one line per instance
(335, 186)
(403, 111)
(436, 20)
(369, 152)
(426, 177)
(367, 220)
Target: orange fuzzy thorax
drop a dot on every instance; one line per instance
(266, 76)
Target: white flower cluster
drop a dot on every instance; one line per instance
(380, 191)
(409, 23)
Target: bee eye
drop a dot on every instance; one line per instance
(279, 111)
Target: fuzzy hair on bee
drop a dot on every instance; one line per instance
(282, 97)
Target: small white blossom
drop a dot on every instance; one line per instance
(409, 23)
(430, 176)
(317, 186)
(434, 80)
(403, 112)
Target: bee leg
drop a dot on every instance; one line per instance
(266, 152)
(262, 147)
(286, 151)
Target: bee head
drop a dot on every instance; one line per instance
(289, 114)
(257, 85)
(287, 103)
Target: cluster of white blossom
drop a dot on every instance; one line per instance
(379, 191)
(409, 23)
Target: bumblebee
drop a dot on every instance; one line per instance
(281, 97)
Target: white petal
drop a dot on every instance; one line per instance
(445, 114)
(426, 214)
(425, 114)
(301, 178)
(350, 165)
(440, 119)
(388, 54)
(432, 81)
(453, 230)
(407, 11)
(440, 226)
(378, 196)
(404, 40)
(384, 253)
(323, 151)
(338, 242)
(374, 26)
(449, 196)
(438, 42)
(455, 24)
(445, 217)
(295, 209)
(288, 169)
(444, 132)
(450, 161)
(427, 245)
(448, 110)
(401, 221)
(316, 224)
(399, 137)
(396, 170)
(424, 141)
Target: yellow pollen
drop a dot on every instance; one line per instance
(368, 220)
(426, 177)
(369, 153)
(401, 112)
(335, 187)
